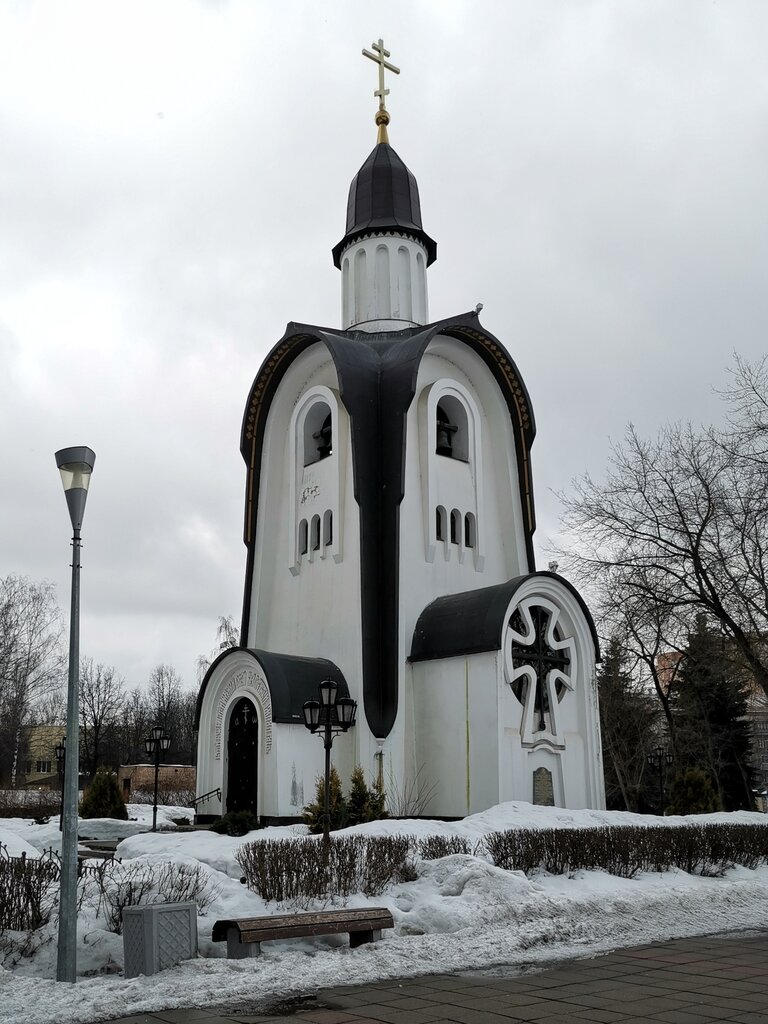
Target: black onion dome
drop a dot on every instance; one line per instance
(384, 196)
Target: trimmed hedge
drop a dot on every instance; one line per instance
(625, 850)
(304, 869)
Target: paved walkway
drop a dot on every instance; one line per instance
(685, 981)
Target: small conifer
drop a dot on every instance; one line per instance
(337, 805)
(692, 792)
(103, 798)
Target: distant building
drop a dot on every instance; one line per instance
(172, 779)
(39, 767)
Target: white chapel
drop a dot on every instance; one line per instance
(389, 524)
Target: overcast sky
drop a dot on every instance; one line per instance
(174, 173)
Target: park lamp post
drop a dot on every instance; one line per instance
(75, 466)
(658, 760)
(153, 744)
(60, 750)
(328, 717)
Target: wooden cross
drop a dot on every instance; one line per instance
(379, 58)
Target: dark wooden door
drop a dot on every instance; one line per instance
(242, 754)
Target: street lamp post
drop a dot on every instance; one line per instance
(75, 466)
(61, 760)
(329, 716)
(658, 760)
(153, 744)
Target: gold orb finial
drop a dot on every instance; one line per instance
(381, 119)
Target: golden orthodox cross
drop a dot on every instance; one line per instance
(380, 58)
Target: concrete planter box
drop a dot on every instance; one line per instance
(158, 936)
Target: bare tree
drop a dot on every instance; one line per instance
(102, 691)
(679, 524)
(133, 727)
(172, 707)
(30, 659)
(227, 636)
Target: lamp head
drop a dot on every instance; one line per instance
(311, 714)
(346, 709)
(329, 688)
(76, 466)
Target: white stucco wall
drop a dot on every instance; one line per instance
(457, 733)
(486, 485)
(384, 283)
(469, 726)
(314, 611)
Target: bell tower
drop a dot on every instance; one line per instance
(385, 252)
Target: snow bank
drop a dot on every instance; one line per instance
(461, 912)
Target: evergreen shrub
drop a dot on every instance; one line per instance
(236, 823)
(692, 792)
(337, 805)
(103, 798)
(364, 803)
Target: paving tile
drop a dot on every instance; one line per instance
(463, 1015)
(410, 1003)
(322, 1016)
(183, 1015)
(681, 1017)
(136, 1018)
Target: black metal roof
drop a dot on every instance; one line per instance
(291, 681)
(473, 621)
(384, 196)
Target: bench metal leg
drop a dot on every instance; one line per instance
(237, 950)
(358, 938)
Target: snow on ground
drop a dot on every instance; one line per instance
(461, 912)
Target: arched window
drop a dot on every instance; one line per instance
(452, 433)
(440, 523)
(455, 526)
(303, 537)
(315, 533)
(328, 529)
(470, 530)
(318, 433)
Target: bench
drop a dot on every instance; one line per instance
(244, 936)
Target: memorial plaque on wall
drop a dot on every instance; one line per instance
(543, 791)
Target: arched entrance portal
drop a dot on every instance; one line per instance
(242, 757)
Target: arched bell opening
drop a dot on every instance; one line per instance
(451, 428)
(242, 758)
(318, 433)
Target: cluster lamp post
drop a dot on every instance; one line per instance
(328, 717)
(75, 466)
(659, 760)
(153, 744)
(61, 760)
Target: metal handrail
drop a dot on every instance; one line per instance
(205, 796)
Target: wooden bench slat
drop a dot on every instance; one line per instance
(285, 926)
(319, 928)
